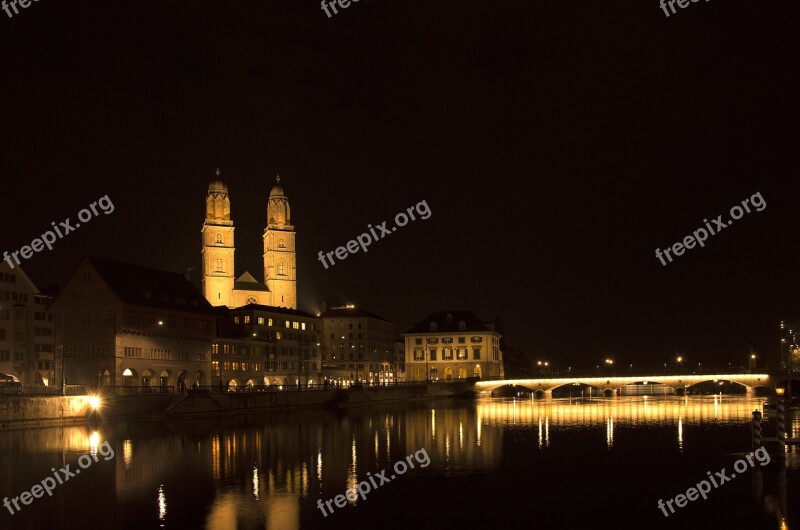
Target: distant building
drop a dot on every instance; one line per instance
(264, 345)
(26, 330)
(452, 344)
(120, 324)
(790, 347)
(357, 346)
(220, 285)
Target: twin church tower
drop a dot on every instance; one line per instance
(220, 286)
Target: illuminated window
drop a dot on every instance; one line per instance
(282, 268)
(247, 319)
(218, 265)
(419, 355)
(447, 354)
(303, 326)
(219, 239)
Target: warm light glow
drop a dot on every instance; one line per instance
(680, 359)
(94, 402)
(780, 391)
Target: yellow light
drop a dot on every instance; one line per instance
(780, 391)
(94, 402)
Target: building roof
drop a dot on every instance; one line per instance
(350, 312)
(246, 282)
(143, 286)
(445, 325)
(273, 309)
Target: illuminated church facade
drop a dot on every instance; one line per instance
(221, 287)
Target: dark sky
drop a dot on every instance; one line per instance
(557, 145)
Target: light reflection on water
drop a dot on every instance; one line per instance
(270, 472)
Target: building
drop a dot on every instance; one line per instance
(269, 346)
(119, 324)
(220, 285)
(357, 346)
(452, 344)
(26, 330)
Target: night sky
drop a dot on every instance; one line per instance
(558, 144)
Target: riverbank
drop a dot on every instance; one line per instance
(40, 411)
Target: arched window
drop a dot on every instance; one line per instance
(219, 239)
(250, 300)
(218, 267)
(282, 268)
(281, 244)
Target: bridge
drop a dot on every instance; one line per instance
(609, 384)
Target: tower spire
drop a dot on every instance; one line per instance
(217, 172)
(278, 178)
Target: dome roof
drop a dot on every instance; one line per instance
(277, 189)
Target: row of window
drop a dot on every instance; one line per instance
(269, 322)
(448, 340)
(254, 351)
(5, 355)
(153, 320)
(8, 278)
(462, 326)
(43, 332)
(14, 296)
(461, 354)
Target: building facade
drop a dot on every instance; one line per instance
(119, 324)
(358, 346)
(452, 345)
(220, 285)
(26, 330)
(267, 346)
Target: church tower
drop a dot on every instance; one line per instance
(280, 257)
(217, 252)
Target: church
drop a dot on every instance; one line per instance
(220, 285)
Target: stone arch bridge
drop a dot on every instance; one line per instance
(609, 385)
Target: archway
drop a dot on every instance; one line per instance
(105, 379)
(462, 372)
(129, 377)
(182, 381)
(448, 373)
(163, 379)
(199, 378)
(476, 372)
(250, 384)
(232, 384)
(147, 377)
